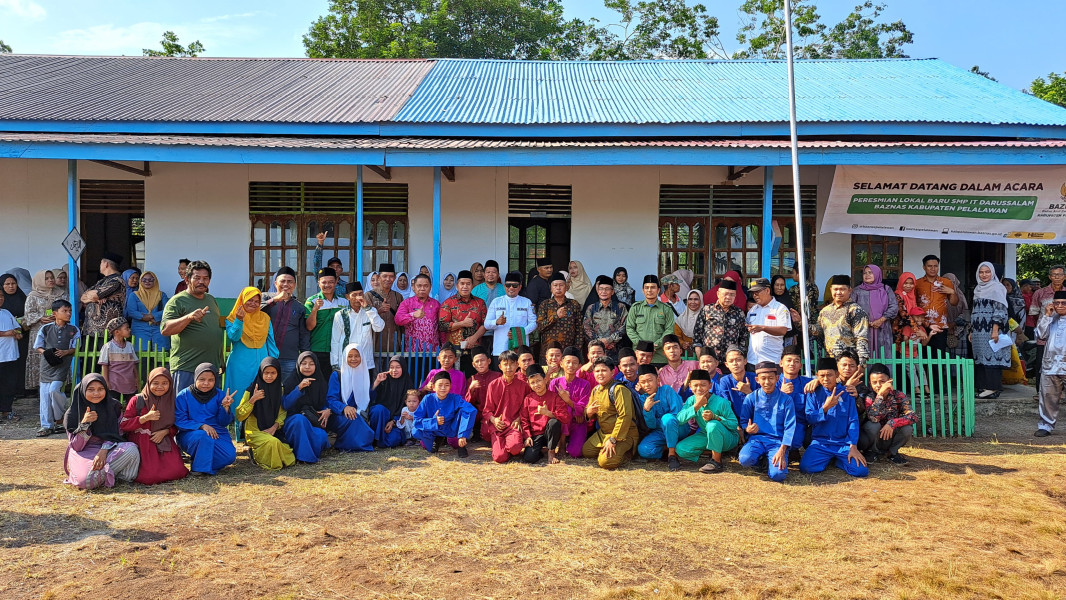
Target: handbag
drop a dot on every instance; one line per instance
(312, 416)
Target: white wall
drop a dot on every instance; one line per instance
(33, 214)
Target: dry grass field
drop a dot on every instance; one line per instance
(980, 518)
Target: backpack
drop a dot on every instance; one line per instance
(638, 415)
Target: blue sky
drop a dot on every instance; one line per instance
(1016, 42)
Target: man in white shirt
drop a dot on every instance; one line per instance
(508, 312)
(355, 324)
(768, 322)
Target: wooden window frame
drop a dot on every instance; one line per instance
(671, 253)
(371, 247)
(862, 254)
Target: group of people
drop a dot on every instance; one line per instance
(520, 364)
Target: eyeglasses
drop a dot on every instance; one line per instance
(511, 285)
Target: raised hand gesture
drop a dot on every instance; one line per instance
(257, 395)
(474, 384)
(650, 403)
(752, 428)
(306, 382)
(832, 400)
(743, 387)
(152, 415)
(227, 401)
(90, 416)
(380, 378)
(542, 410)
(440, 419)
(788, 388)
(321, 238)
(565, 396)
(885, 388)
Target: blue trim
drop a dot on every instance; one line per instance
(537, 157)
(359, 222)
(436, 230)
(767, 219)
(72, 223)
(549, 130)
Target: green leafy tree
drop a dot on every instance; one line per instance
(4, 47)
(507, 29)
(1053, 90)
(1035, 260)
(656, 29)
(171, 47)
(861, 34)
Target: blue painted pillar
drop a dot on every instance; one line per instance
(72, 222)
(767, 219)
(436, 230)
(359, 233)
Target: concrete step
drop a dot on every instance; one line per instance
(1014, 400)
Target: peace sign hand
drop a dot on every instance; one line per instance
(650, 403)
(832, 400)
(227, 401)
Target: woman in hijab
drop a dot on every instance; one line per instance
(149, 423)
(252, 335)
(202, 414)
(478, 271)
(988, 322)
(97, 454)
(686, 321)
(962, 309)
(390, 390)
(447, 287)
(144, 309)
(263, 417)
(622, 290)
(15, 303)
(402, 285)
(580, 284)
(906, 300)
(1015, 300)
(711, 296)
(371, 282)
(779, 290)
(38, 313)
(132, 278)
(881, 307)
(306, 411)
(348, 398)
(22, 276)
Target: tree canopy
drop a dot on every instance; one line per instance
(4, 47)
(506, 29)
(641, 29)
(171, 47)
(1053, 89)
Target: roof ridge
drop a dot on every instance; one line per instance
(219, 58)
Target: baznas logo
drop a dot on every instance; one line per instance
(1062, 191)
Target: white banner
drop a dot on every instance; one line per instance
(1010, 204)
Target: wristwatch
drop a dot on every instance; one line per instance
(612, 440)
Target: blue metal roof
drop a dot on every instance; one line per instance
(505, 92)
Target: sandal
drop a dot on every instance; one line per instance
(44, 432)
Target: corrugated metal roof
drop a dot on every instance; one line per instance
(420, 143)
(736, 91)
(263, 90)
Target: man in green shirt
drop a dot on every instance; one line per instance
(195, 325)
(649, 320)
(320, 310)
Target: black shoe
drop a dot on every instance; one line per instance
(463, 452)
(897, 460)
(793, 455)
(871, 457)
(437, 443)
(250, 455)
(674, 463)
(1042, 433)
(712, 466)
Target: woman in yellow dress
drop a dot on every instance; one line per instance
(260, 405)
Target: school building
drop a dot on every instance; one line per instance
(651, 165)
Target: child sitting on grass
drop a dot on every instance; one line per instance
(407, 416)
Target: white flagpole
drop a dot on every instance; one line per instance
(797, 206)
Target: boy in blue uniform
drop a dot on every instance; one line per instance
(443, 416)
(737, 384)
(793, 384)
(661, 405)
(768, 416)
(834, 426)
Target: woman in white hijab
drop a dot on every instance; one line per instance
(685, 322)
(580, 284)
(988, 328)
(404, 289)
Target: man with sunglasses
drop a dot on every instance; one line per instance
(511, 317)
(1051, 329)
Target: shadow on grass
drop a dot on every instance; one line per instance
(18, 530)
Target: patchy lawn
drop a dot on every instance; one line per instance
(981, 518)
